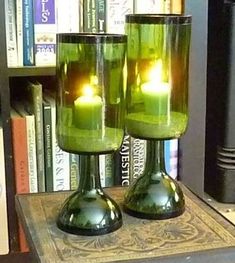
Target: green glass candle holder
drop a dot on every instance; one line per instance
(91, 74)
(157, 106)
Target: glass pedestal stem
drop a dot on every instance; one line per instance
(155, 195)
(89, 211)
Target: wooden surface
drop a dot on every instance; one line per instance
(199, 235)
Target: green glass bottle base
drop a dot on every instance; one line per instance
(161, 198)
(89, 213)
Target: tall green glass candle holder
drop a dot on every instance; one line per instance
(157, 106)
(90, 121)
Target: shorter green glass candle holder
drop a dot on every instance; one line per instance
(91, 74)
(155, 195)
(157, 106)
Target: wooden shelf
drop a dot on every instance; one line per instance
(17, 258)
(31, 71)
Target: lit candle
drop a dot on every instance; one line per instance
(156, 93)
(88, 110)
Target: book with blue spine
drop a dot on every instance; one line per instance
(28, 33)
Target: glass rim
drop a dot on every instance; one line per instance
(158, 19)
(90, 38)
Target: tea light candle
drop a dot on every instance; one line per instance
(156, 93)
(88, 110)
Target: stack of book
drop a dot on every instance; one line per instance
(31, 25)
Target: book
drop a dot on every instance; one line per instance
(10, 24)
(28, 33)
(74, 171)
(45, 32)
(34, 106)
(115, 15)
(90, 21)
(31, 145)
(61, 159)
(122, 163)
(4, 240)
(148, 7)
(48, 162)
(20, 160)
(101, 16)
(68, 16)
(106, 169)
(19, 31)
(138, 157)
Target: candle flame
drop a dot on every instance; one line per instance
(155, 74)
(88, 91)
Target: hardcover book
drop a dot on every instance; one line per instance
(68, 16)
(60, 158)
(34, 106)
(20, 158)
(31, 145)
(10, 23)
(45, 32)
(28, 33)
(4, 240)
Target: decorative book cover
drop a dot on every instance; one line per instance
(200, 230)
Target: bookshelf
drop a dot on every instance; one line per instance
(6, 75)
(192, 169)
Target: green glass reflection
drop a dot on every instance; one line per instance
(157, 93)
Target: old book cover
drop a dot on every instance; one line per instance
(198, 231)
(20, 158)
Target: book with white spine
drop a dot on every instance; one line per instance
(11, 41)
(61, 160)
(4, 240)
(68, 16)
(115, 14)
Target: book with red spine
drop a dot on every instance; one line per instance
(20, 159)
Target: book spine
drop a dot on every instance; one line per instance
(145, 7)
(45, 32)
(61, 159)
(4, 243)
(36, 93)
(101, 15)
(174, 155)
(109, 170)
(28, 33)
(81, 15)
(19, 24)
(115, 14)
(68, 16)
(11, 41)
(20, 158)
(74, 171)
(61, 179)
(32, 161)
(90, 22)
(48, 146)
(138, 157)
(122, 164)
(106, 166)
